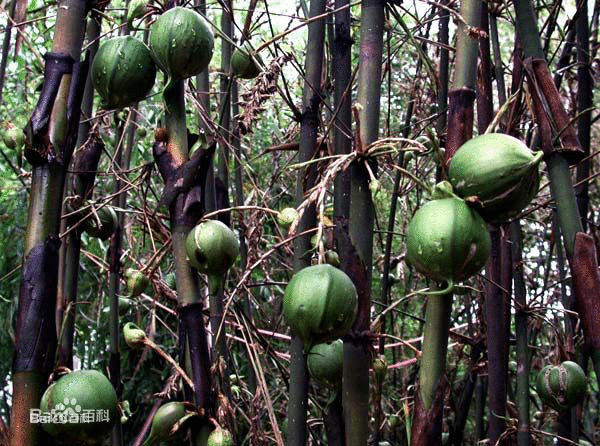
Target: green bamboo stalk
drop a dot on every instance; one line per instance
(435, 345)
(222, 173)
(193, 346)
(342, 73)
(357, 357)
(341, 67)
(33, 362)
(298, 402)
(122, 161)
(522, 336)
(442, 96)
(585, 98)
(188, 291)
(497, 316)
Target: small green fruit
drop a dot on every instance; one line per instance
(562, 386)
(124, 305)
(220, 437)
(85, 404)
(182, 42)
(320, 304)
(13, 137)
(245, 63)
(287, 216)
(137, 282)
(212, 247)
(171, 280)
(332, 258)
(135, 10)
(123, 72)
(380, 368)
(103, 224)
(134, 336)
(165, 420)
(325, 362)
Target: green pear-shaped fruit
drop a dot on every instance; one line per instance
(447, 240)
(103, 224)
(123, 72)
(320, 304)
(182, 42)
(137, 282)
(325, 362)
(166, 419)
(212, 247)
(497, 171)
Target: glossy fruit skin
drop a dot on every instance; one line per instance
(447, 240)
(86, 390)
(320, 304)
(562, 386)
(498, 169)
(181, 42)
(325, 362)
(245, 63)
(164, 419)
(212, 247)
(123, 72)
(220, 437)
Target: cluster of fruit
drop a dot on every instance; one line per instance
(181, 44)
(492, 178)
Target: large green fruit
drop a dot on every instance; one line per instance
(182, 42)
(85, 404)
(562, 386)
(212, 247)
(499, 172)
(245, 63)
(447, 240)
(123, 72)
(325, 362)
(320, 304)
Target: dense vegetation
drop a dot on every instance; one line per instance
(256, 125)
